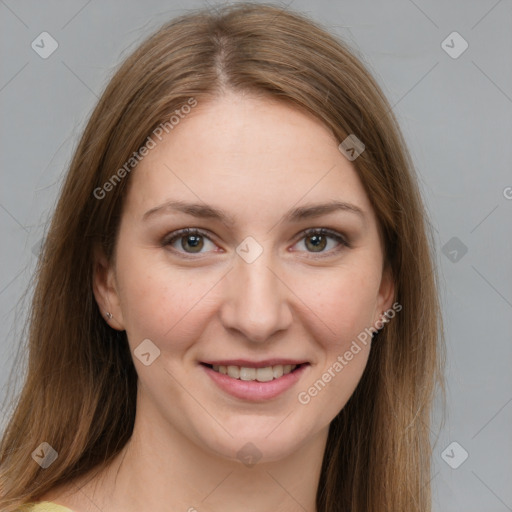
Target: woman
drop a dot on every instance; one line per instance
(236, 302)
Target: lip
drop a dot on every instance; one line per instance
(253, 390)
(254, 364)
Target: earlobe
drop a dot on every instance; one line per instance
(105, 290)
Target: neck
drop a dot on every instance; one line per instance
(161, 469)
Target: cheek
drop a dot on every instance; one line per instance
(341, 302)
(343, 308)
(163, 304)
(346, 305)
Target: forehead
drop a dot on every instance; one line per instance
(253, 154)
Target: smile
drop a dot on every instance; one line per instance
(265, 374)
(253, 381)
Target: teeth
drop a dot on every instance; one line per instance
(234, 371)
(260, 374)
(265, 374)
(278, 371)
(247, 373)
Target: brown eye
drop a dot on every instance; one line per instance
(196, 242)
(316, 240)
(187, 241)
(317, 243)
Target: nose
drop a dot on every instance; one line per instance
(257, 300)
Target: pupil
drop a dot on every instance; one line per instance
(194, 241)
(319, 242)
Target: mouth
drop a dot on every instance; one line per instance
(254, 373)
(255, 381)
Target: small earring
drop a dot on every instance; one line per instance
(108, 314)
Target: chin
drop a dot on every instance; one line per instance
(268, 440)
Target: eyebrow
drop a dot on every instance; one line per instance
(205, 211)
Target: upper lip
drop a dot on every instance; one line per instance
(254, 364)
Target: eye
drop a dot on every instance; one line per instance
(190, 240)
(317, 239)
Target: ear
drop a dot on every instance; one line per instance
(105, 290)
(386, 293)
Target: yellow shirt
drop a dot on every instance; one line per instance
(46, 506)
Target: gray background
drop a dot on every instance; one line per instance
(456, 114)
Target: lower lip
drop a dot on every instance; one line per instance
(253, 389)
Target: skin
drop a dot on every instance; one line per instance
(255, 159)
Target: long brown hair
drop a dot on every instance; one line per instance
(80, 390)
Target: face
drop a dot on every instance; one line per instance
(241, 328)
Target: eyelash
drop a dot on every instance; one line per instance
(172, 237)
